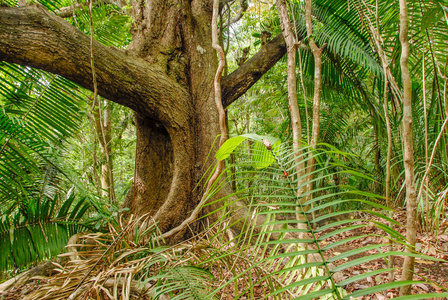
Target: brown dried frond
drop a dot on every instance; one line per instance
(117, 265)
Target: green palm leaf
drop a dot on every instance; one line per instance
(282, 245)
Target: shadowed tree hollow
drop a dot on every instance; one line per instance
(165, 76)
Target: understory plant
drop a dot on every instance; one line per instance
(40, 229)
(281, 253)
(41, 205)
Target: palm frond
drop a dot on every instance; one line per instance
(289, 230)
(39, 112)
(38, 230)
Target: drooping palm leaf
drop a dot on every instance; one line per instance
(39, 111)
(282, 239)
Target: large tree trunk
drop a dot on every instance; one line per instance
(166, 77)
(170, 159)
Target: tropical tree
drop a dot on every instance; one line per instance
(165, 76)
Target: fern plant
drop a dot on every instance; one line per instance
(39, 112)
(288, 232)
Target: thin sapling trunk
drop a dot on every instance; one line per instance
(317, 54)
(411, 199)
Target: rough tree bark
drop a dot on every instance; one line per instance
(165, 77)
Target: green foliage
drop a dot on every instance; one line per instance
(262, 157)
(39, 114)
(352, 114)
(280, 253)
(192, 281)
(39, 111)
(39, 229)
(289, 231)
(111, 26)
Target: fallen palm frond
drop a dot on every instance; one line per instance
(116, 265)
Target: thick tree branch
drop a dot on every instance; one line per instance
(238, 82)
(34, 37)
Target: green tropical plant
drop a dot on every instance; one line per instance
(353, 85)
(429, 94)
(39, 111)
(39, 229)
(276, 256)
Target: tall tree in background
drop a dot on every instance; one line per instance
(103, 134)
(317, 54)
(296, 123)
(408, 145)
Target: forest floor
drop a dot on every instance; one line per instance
(433, 272)
(425, 270)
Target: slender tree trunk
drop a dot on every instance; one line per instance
(377, 35)
(305, 101)
(377, 158)
(296, 122)
(232, 161)
(103, 128)
(96, 178)
(411, 200)
(426, 137)
(317, 54)
(388, 164)
(249, 149)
